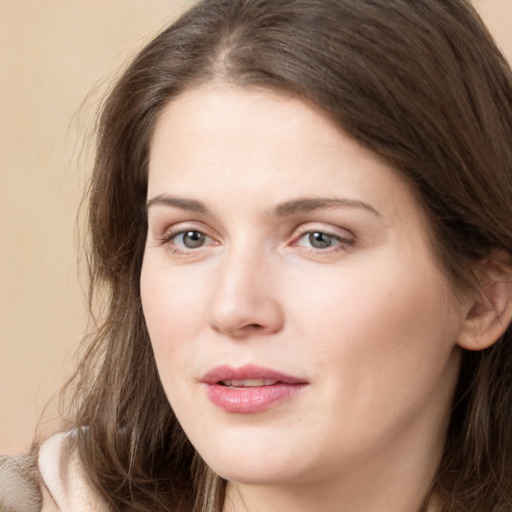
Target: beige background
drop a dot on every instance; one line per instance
(54, 54)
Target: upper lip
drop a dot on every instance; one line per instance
(248, 372)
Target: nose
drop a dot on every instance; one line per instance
(246, 300)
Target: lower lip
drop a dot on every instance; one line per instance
(251, 399)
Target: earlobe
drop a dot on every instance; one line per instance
(490, 312)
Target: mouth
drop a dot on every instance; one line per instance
(248, 383)
(250, 389)
(249, 376)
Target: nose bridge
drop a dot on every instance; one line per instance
(245, 297)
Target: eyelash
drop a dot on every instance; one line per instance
(342, 244)
(169, 237)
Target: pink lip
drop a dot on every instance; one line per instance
(249, 399)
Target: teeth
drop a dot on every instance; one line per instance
(249, 383)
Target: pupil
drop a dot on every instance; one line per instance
(320, 240)
(193, 239)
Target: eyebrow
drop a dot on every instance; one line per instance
(310, 204)
(288, 208)
(178, 202)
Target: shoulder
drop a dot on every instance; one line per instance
(64, 482)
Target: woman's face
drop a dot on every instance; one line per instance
(300, 324)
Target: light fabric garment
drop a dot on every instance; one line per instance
(19, 490)
(61, 485)
(63, 477)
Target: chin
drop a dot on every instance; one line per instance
(259, 466)
(266, 474)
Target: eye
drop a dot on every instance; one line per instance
(190, 239)
(320, 240)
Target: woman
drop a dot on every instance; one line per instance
(301, 224)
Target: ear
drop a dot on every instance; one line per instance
(490, 310)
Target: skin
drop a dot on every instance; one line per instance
(370, 322)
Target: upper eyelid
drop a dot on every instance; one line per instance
(182, 227)
(341, 241)
(341, 238)
(332, 230)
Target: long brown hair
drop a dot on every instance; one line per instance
(420, 83)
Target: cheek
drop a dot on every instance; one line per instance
(174, 313)
(381, 348)
(380, 325)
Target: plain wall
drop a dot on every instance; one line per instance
(52, 55)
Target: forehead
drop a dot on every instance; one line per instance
(256, 147)
(247, 121)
